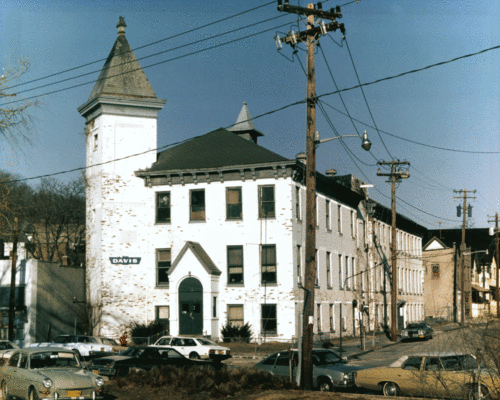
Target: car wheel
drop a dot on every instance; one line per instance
(390, 389)
(325, 386)
(33, 394)
(5, 391)
(194, 356)
(474, 393)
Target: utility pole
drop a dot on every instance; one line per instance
(395, 176)
(463, 247)
(497, 258)
(12, 298)
(309, 37)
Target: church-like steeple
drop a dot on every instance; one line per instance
(122, 75)
(244, 126)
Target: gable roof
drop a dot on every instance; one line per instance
(216, 149)
(122, 74)
(437, 240)
(200, 254)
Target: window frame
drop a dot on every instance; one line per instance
(191, 219)
(266, 282)
(157, 267)
(229, 282)
(229, 314)
(328, 270)
(234, 188)
(261, 202)
(328, 215)
(269, 319)
(298, 213)
(339, 219)
(158, 208)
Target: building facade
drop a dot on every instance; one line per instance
(211, 232)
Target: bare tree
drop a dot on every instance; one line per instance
(15, 119)
(57, 218)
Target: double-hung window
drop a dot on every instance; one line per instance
(341, 272)
(297, 203)
(269, 319)
(163, 262)
(235, 315)
(339, 218)
(162, 207)
(234, 203)
(235, 265)
(328, 270)
(197, 205)
(266, 202)
(327, 215)
(268, 263)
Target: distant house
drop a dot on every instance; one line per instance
(443, 286)
(44, 297)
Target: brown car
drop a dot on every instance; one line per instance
(438, 375)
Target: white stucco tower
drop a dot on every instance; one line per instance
(121, 118)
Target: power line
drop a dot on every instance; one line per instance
(146, 45)
(148, 56)
(412, 141)
(413, 71)
(147, 151)
(364, 96)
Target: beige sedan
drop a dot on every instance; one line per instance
(450, 375)
(48, 373)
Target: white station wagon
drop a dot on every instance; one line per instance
(195, 348)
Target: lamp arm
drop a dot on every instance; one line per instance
(336, 137)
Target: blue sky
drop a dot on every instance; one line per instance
(454, 106)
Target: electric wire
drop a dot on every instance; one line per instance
(412, 141)
(137, 154)
(146, 45)
(341, 98)
(148, 56)
(364, 97)
(149, 66)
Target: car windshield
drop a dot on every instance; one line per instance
(110, 342)
(326, 358)
(415, 326)
(53, 359)
(206, 342)
(5, 346)
(132, 352)
(164, 341)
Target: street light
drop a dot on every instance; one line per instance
(365, 144)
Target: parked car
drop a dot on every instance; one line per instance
(81, 344)
(195, 348)
(33, 373)
(7, 348)
(418, 330)
(142, 357)
(437, 375)
(329, 369)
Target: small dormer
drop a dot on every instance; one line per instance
(244, 126)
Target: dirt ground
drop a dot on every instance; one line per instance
(113, 392)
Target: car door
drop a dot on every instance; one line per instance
(178, 343)
(432, 378)
(150, 358)
(174, 358)
(11, 375)
(282, 365)
(409, 376)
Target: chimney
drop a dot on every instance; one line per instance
(302, 158)
(331, 172)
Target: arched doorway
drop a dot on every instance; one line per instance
(190, 307)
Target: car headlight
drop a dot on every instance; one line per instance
(99, 381)
(47, 383)
(421, 332)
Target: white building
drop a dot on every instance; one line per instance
(210, 231)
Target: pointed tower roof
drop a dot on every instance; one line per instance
(244, 126)
(122, 74)
(122, 86)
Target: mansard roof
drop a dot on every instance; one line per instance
(216, 149)
(122, 75)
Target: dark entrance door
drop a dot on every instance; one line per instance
(190, 307)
